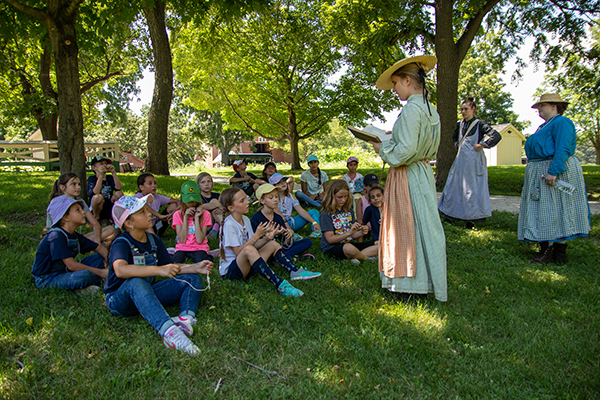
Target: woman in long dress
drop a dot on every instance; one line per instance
(466, 196)
(412, 251)
(549, 215)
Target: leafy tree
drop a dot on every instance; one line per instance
(213, 130)
(273, 70)
(377, 31)
(479, 79)
(578, 81)
(62, 27)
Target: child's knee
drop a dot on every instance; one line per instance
(97, 199)
(350, 250)
(249, 251)
(116, 196)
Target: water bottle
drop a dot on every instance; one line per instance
(563, 186)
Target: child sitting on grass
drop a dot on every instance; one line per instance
(191, 222)
(288, 203)
(210, 202)
(136, 258)
(361, 204)
(147, 185)
(103, 190)
(269, 199)
(352, 176)
(54, 264)
(246, 181)
(245, 252)
(372, 214)
(313, 182)
(339, 228)
(69, 184)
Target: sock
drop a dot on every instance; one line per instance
(261, 268)
(285, 262)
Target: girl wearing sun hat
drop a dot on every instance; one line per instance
(412, 246)
(548, 215)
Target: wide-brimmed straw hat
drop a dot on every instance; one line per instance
(549, 98)
(385, 80)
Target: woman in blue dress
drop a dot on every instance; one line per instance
(548, 214)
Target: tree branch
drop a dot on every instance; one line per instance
(31, 11)
(464, 42)
(87, 86)
(246, 123)
(73, 7)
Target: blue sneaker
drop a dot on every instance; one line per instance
(303, 274)
(288, 290)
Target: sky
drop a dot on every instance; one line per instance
(522, 92)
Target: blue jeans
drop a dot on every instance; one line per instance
(297, 222)
(140, 296)
(298, 247)
(303, 198)
(73, 280)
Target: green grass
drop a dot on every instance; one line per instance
(509, 329)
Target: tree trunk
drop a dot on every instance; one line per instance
(47, 121)
(294, 138)
(158, 117)
(63, 38)
(447, 87)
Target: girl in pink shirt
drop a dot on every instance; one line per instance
(191, 222)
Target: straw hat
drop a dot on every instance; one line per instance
(385, 80)
(549, 98)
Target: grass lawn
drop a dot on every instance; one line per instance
(509, 329)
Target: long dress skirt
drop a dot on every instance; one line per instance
(549, 215)
(429, 240)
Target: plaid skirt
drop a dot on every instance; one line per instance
(548, 214)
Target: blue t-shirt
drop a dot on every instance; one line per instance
(258, 218)
(213, 195)
(121, 250)
(373, 215)
(54, 248)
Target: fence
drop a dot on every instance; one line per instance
(44, 153)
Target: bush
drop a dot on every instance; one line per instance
(340, 155)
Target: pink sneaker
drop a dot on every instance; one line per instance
(185, 323)
(174, 338)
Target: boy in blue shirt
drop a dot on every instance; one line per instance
(54, 264)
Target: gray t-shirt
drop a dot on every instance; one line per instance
(338, 223)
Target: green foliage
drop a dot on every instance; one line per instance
(479, 79)
(509, 329)
(577, 80)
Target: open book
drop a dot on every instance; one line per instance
(370, 134)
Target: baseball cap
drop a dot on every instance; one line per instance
(190, 191)
(126, 206)
(264, 189)
(59, 206)
(270, 163)
(276, 178)
(99, 158)
(312, 157)
(371, 179)
(237, 163)
(350, 159)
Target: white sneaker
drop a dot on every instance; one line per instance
(354, 261)
(185, 323)
(174, 338)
